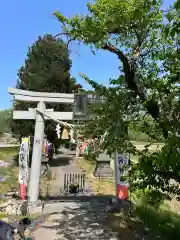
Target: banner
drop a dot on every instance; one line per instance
(24, 161)
(71, 134)
(65, 134)
(122, 162)
(84, 146)
(45, 148)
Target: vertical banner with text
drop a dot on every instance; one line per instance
(122, 162)
(23, 167)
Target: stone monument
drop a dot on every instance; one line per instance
(103, 168)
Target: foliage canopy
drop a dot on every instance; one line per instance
(145, 39)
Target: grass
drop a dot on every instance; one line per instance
(46, 184)
(100, 186)
(161, 223)
(11, 172)
(11, 155)
(130, 228)
(164, 223)
(146, 143)
(145, 222)
(7, 154)
(13, 218)
(2, 215)
(140, 146)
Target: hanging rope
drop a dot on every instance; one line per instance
(64, 124)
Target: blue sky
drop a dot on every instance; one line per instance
(23, 21)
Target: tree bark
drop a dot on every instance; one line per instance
(130, 79)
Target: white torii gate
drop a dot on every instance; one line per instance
(39, 115)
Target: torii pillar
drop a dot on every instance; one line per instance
(33, 190)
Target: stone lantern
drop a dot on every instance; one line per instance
(103, 167)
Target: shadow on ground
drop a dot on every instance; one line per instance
(55, 162)
(84, 217)
(81, 198)
(60, 161)
(89, 220)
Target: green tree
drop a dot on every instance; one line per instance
(130, 25)
(145, 40)
(46, 69)
(5, 121)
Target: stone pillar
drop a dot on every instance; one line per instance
(37, 155)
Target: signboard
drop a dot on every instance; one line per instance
(24, 161)
(122, 162)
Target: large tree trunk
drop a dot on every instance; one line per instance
(131, 81)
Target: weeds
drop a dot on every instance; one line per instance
(148, 221)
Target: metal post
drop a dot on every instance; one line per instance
(77, 141)
(37, 155)
(115, 174)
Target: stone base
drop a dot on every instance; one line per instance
(35, 207)
(35, 204)
(103, 170)
(14, 207)
(20, 208)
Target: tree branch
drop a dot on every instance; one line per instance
(168, 174)
(115, 50)
(67, 35)
(127, 67)
(130, 78)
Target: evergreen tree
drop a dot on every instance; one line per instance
(46, 69)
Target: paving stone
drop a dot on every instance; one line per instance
(76, 221)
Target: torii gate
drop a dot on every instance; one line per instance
(39, 115)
